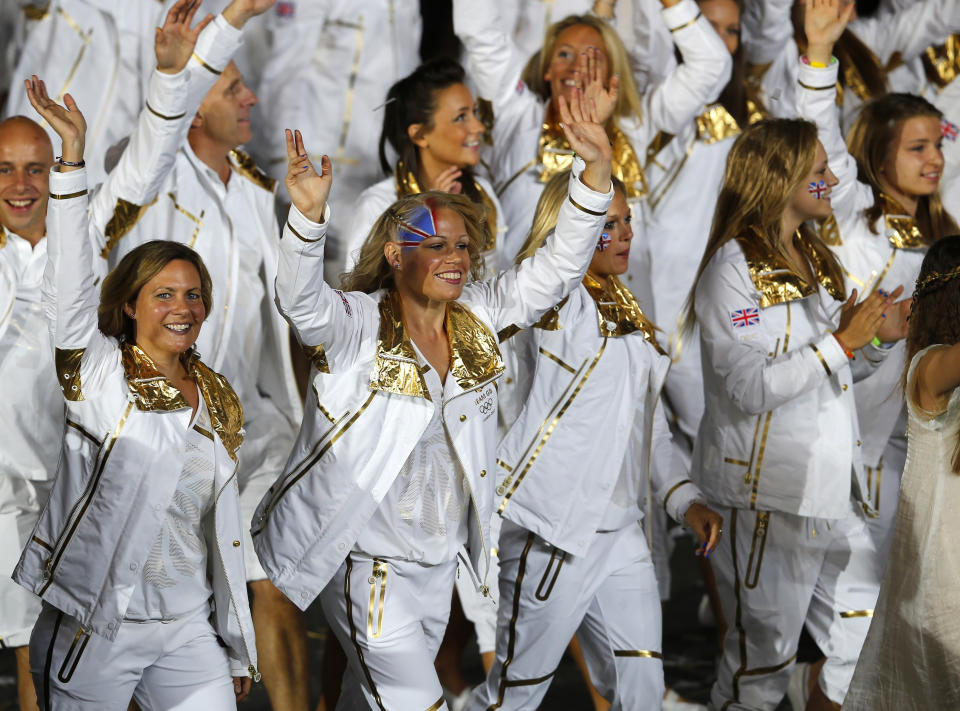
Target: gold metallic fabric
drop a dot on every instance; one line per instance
(942, 62)
(618, 312)
(67, 362)
(125, 216)
(830, 231)
(318, 356)
(902, 230)
(716, 124)
(474, 355)
(247, 167)
(555, 155)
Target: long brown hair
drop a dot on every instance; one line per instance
(122, 285)
(372, 272)
(766, 165)
(870, 142)
(936, 305)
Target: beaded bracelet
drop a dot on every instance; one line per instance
(71, 164)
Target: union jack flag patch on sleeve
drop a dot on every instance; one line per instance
(745, 317)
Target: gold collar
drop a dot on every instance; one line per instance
(775, 279)
(902, 230)
(407, 184)
(474, 355)
(942, 62)
(618, 312)
(555, 155)
(153, 392)
(248, 168)
(716, 124)
(3, 236)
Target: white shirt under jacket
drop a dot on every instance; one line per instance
(495, 65)
(780, 428)
(330, 67)
(889, 258)
(31, 411)
(101, 52)
(592, 439)
(234, 229)
(378, 197)
(773, 51)
(122, 455)
(371, 408)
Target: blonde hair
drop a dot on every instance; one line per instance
(628, 98)
(548, 210)
(372, 272)
(870, 142)
(766, 165)
(122, 285)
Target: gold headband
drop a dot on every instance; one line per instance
(933, 281)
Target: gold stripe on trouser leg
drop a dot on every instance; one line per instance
(353, 634)
(644, 653)
(512, 629)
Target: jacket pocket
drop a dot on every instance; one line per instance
(548, 581)
(752, 575)
(72, 658)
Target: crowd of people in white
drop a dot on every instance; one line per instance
(414, 307)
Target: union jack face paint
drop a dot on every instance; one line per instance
(604, 242)
(949, 129)
(422, 224)
(818, 189)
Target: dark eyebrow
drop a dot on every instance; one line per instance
(233, 84)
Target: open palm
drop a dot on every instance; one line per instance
(583, 128)
(66, 120)
(308, 189)
(175, 40)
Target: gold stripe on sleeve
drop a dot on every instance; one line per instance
(68, 196)
(687, 24)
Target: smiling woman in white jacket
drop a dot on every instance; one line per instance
(393, 469)
(778, 447)
(137, 555)
(573, 552)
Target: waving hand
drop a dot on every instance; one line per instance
(308, 189)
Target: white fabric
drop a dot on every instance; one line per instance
(389, 617)
(101, 52)
(18, 607)
(373, 201)
(162, 665)
(608, 597)
(786, 379)
(496, 65)
(481, 610)
(910, 659)
(423, 517)
(305, 529)
(173, 580)
(85, 561)
(776, 574)
(328, 73)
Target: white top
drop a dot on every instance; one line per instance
(173, 579)
(31, 410)
(423, 517)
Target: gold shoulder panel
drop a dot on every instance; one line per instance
(247, 167)
(318, 356)
(125, 216)
(36, 12)
(715, 124)
(67, 362)
(942, 62)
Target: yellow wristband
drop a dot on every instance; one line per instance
(817, 65)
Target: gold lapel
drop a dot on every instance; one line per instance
(407, 184)
(830, 231)
(942, 62)
(902, 230)
(3, 236)
(618, 312)
(775, 279)
(154, 392)
(555, 155)
(248, 168)
(474, 355)
(716, 124)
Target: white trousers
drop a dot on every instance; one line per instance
(883, 483)
(165, 666)
(608, 597)
(19, 607)
(389, 617)
(481, 611)
(777, 573)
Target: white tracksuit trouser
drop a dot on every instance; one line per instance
(389, 617)
(608, 597)
(776, 573)
(163, 665)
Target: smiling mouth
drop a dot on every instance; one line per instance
(20, 203)
(452, 277)
(472, 144)
(178, 328)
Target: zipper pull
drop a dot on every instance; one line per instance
(254, 674)
(48, 568)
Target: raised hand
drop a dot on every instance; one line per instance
(823, 23)
(590, 70)
(447, 181)
(174, 42)
(587, 136)
(66, 120)
(239, 11)
(308, 190)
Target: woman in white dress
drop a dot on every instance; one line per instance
(911, 659)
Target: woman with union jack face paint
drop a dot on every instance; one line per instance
(390, 485)
(778, 451)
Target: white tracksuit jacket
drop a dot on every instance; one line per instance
(124, 440)
(371, 409)
(780, 428)
(560, 464)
